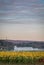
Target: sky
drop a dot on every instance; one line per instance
(22, 20)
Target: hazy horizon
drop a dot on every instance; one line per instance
(22, 20)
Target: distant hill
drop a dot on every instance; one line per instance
(22, 43)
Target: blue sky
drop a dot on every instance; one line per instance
(24, 14)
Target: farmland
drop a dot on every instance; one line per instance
(21, 53)
(22, 64)
(22, 57)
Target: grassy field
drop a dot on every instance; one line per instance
(22, 64)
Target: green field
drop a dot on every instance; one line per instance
(22, 64)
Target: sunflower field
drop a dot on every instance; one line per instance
(21, 56)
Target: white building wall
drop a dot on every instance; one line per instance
(24, 48)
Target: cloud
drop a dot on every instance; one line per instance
(21, 10)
